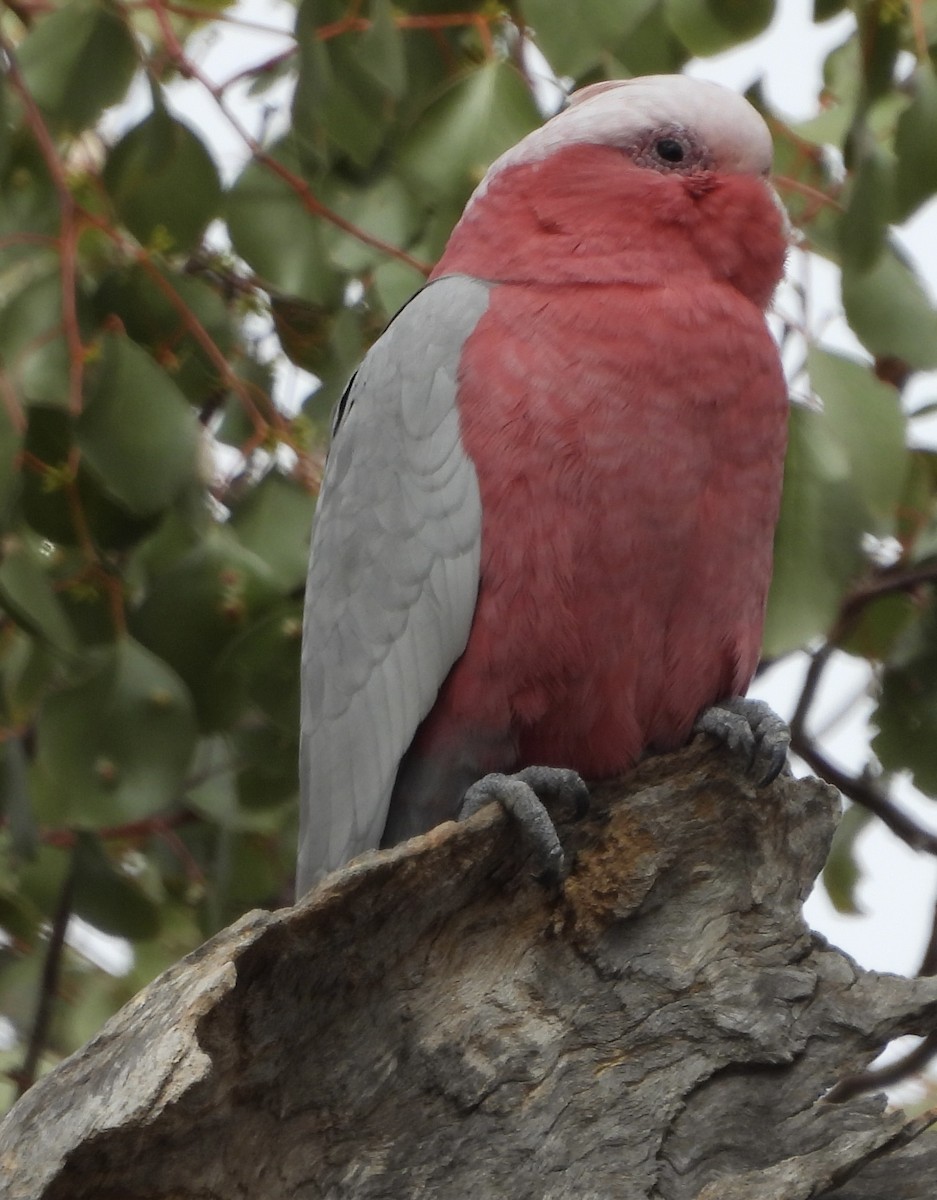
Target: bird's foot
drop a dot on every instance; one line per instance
(751, 729)
(522, 796)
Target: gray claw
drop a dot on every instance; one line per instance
(557, 783)
(752, 729)
(520, 796)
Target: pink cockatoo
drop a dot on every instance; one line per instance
(545, 532)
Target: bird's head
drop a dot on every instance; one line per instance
(633, 179)
(667, 123)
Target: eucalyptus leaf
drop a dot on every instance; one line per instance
(574, 38)
(709, 26)
(889, 311)
(114, 746)
(916, 144)
(196, 608)
(27, 594)
(275, 231)
(163, 182)
(817, 547)
(457, 139)
(107, 897)
(906, 716)
(865, 416)
(842, 875)
(137, 432)
(275, 522)
(77, 60)
(864, 224)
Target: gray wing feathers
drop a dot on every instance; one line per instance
(393, 574)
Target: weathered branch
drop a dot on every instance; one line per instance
(430, 1022)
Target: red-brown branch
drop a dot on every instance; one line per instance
(130, 831)
(68, 226)
(919, 29)
(481, 22)
(310, 201)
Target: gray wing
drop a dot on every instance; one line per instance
(393, 575)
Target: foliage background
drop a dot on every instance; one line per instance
(157, 482)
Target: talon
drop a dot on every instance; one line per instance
(750, 728)
(558, 784)
(520, 796)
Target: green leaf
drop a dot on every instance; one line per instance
(21, 920)
(575, 38)
(478, 118)
(27, 594)
(817, 545)
(275, 522)
(137, 432)
(30, 207)
(387, 209)
(266, 657)
(163, 325)
(246, 875)
(248, 782)
(709, 26)
(41, 878)
(917, 527)
(797, 159)
(825, 10)
(841, 875)
(331, 346)
(109, 898)
(890, 313)
(346, 87)
(651, 48)
(392, 285)
(15, 803)
(865, 416)
(115, 746)
(864, 224)
(195, 610)
(906, 716)
(57, 501)
(380, 52)
(49, 442)
(30, 669)
(880, 36)
(163, 182)
(273, 230)
(268, 786)
(77, 61)
(32, 349)
(878, 627)
(916, 144)
(11, 443)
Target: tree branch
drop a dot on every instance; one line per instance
(431, 1022)
(25, 1076)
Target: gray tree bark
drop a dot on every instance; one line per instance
(432, 1022)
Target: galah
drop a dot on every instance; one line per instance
(544, 537)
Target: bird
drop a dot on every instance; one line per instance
(543, 543)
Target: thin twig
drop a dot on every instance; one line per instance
(68, 226)
(25, 1076)
(881, 1077)
(919, 28)
(310, 201)
(929, 961)
(863, 791)
(887, 583)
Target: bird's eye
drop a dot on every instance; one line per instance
(670, 150)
